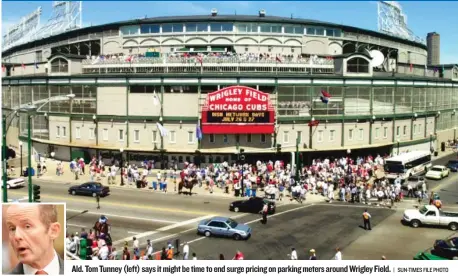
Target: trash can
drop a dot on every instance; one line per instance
(436, 153)
(443, 146)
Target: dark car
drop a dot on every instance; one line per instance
(253, 205)
(89, 189)
(446, 248)
(453, 165)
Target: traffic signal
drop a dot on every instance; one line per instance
(241, 155)
(278, 148)
(36, 193)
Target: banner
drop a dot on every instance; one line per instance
(198, 267)
(238, 110)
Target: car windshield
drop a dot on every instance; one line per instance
(453, 162)
(232, 223)
(423, 210)
(436, 169)
(414, 178)
(394, 168)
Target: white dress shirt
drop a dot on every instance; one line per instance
(52, 268)
(293, 255)
(104, 252)
(338, 256)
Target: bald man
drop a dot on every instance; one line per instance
(32, 229)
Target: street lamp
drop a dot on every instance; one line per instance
(121, 165)
(431, 142)
(398, 144)
(20, 148)
(454, 135)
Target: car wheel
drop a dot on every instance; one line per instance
(207, 234)
(237, 237)
(415, 223)
(73, 192)
(453, 226)
(94, 195)
(8, 186)
(236, 209)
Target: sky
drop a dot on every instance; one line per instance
(423, 17)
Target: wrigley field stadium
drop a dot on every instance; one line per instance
(205, 89)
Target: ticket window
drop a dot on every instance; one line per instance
(180, 159)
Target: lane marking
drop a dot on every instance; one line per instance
(250, 222)
(76, 225)
(163, 229)
(124, 217)
(135, 233)
(111, 203)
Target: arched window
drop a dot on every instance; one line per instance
(59, 65)
(357, 65)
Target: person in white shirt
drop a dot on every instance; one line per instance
(293, 254)
(136, 246)
(185, 251)
(104, 252)
(149, 248)
(194, 256)
(338, 255)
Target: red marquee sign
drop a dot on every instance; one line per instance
(238, 110)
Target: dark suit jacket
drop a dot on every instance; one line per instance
(19, 269)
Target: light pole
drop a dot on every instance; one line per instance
(298, 159)
(121, 166)
(20, 149)
(162, 144)
(431, 142)
(29, 156)
(398, 145)
(454, 135)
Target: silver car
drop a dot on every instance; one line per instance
(222, 226)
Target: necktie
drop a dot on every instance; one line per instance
(41, 272)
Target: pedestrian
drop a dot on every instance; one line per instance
(194, 256)
(338, 255)
(293, 254)
(367, 220)
(221, 256)
(264, 211)
(312, 254)
(170, 252)
(186, 251)
(163, 254)
(97, 198)
(384, 258)
(149, 249)
(136, 247)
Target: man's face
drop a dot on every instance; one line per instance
(29, 237)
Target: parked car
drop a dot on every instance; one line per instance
(446, 248)
(452, 165)
(416, 182)
(223, 226)
(252, 205)
(437, 172)
(423, 256)
(13, 182)
(90, 189)
(430, 215)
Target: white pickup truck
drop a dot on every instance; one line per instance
(430, 215)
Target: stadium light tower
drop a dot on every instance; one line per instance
(392, 21)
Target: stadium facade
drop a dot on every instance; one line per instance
(246, 82)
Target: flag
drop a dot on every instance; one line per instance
(162, 130)
(3, 68)
(23, 66)
(199, 59)
(435, 70)
(325, 96)
(278, 59)
(198, 132)
(36, 64)
(155, 98)
(411, 67)
(130, 59)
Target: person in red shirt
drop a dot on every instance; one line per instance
(238, 256)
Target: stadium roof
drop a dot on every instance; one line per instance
(217, 18)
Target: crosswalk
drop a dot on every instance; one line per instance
(22, 199)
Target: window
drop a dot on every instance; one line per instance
(357, 65)
(221, 27)
(315, 31)
(361, 134)
(398, 130)
(332, 135)
(59, 65)
(247, 28)
(385, 132)
(196, 27)
(154, 136)
(211, 138)
(294, 30)
(377, 133)
(136, 136)
(91, 133)
(58, 131)
(237, 138)
(286, 137)
(105, 134)
(248, 138)
(263, 138)
(190, 137)
(419, 128)
(414, 129)
(350, 134)
(320, 136)
(172, 28)
(39, 56)
(150, 29)
(121, 134)
(267, 28)
(332, 32)
(404, 130)
(225, 139)
(172, 137)
(129, 30)
(78, 133)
